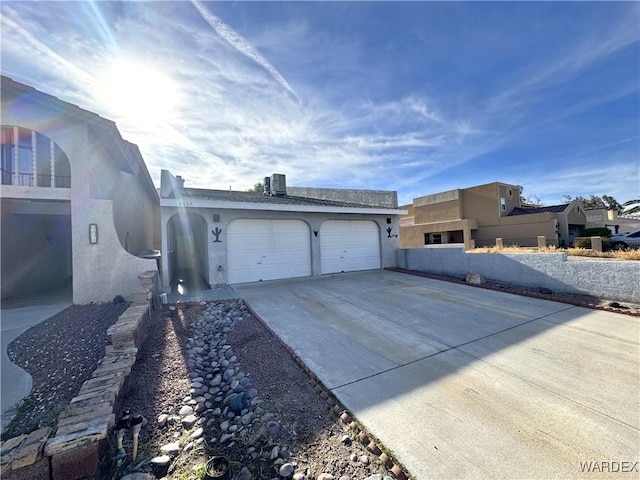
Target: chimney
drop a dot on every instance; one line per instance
(266, 184)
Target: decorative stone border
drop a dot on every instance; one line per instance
(75, 450)
(371, 444)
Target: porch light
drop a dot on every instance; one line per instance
(93, 233)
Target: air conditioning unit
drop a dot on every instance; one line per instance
(278, 184)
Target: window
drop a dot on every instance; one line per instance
(32, 159)
(510, 193)
(432, 238)
(503, 204)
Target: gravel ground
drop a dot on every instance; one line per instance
(290, 424)
(60, 354)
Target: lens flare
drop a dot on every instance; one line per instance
(137, 92)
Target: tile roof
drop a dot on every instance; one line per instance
(530, 211)
(253, 197)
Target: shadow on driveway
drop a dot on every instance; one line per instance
(462, 382)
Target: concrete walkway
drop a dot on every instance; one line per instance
(461, 382)
(15, 382)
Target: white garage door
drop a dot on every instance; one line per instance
(268, 249)
(349, 245)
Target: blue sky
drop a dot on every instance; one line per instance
(418, 97)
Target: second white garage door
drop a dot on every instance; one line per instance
(268, 250)
(349, 245)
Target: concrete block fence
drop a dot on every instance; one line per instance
(604, 278)
(83, 427)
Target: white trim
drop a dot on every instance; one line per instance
(52, 159)
(35, 193)
(194, 203)
(16, 153)
(34, 158)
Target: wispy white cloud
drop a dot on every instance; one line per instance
(353, 123)
(616, 177)
(240, 44)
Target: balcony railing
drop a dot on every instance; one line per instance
(29, 180)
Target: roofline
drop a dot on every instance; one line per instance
(8, 82)
(192, 203)
(124, 146)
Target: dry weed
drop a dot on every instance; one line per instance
(628, 254)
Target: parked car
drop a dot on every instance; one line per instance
(621, 241)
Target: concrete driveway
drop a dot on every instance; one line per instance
(462, 382)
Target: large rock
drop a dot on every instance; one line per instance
(475, 278)
(286, 470)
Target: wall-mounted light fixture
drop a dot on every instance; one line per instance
(315, 232)
(93, 233)
(389, 233)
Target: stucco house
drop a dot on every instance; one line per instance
(476, 216)
(215, 237)
(77, 201)
(603, 218)
(79, 210)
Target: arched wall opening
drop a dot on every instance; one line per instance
(188, 255)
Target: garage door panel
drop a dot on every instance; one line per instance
(349, 245)
(268, 250)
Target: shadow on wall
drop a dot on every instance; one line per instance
(613, 280)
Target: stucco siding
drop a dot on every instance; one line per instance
(103, 270)
(481, 204)
(614, 280)
(96, 154)
(379, 198)
(217, 251)
(133, 213)
(441, 212)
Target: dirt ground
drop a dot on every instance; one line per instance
(309, 429)
(62, 352)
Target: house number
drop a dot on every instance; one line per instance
(184, 203)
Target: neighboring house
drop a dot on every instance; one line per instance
(78, 203)
(476, 216)
(603, 218)
(218, 236)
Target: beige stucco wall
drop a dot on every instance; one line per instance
(522, 230)
(408, 208)
(97, 188)
(443, 212)
(479, 215)
(413, 236)
(483, 202)
(103, 270)
(134, 213)
(610, 218)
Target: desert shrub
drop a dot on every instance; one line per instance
(585, 242)
(596, 232)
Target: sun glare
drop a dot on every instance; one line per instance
(138, 92)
